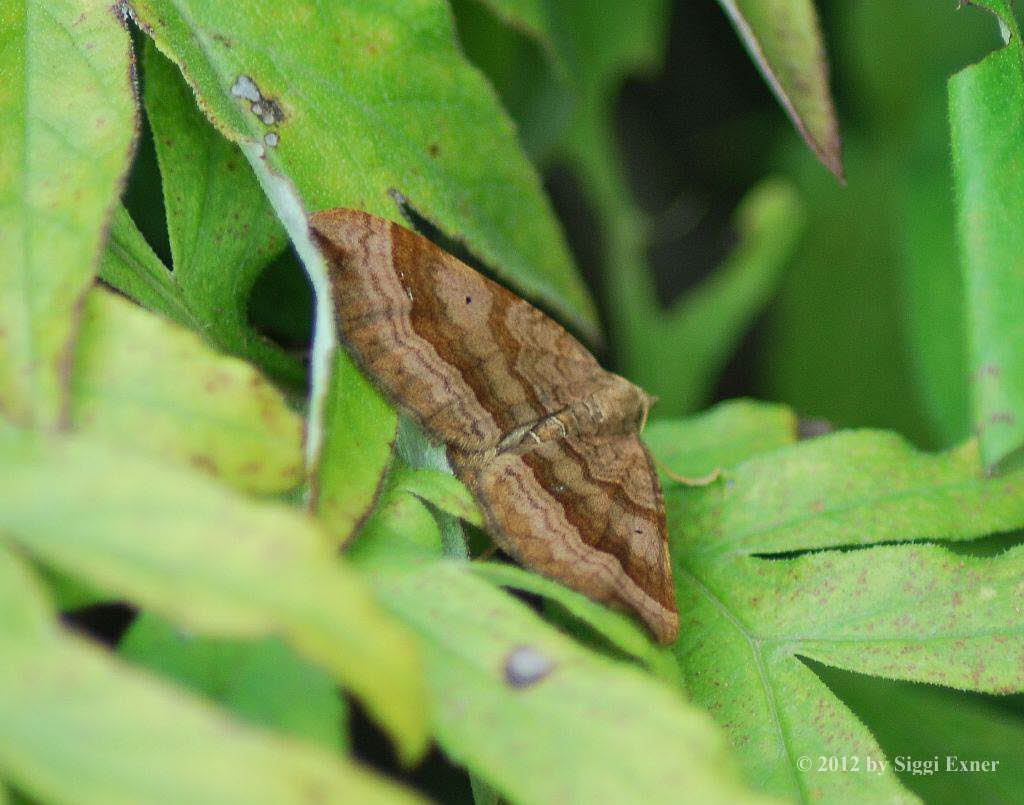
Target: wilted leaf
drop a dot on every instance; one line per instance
(142, 382)
(64, 704)
(67, 118)
(986, 103)
(177, 543)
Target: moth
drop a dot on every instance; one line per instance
(545, 438)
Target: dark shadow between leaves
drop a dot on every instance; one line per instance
(680, 137)
(436, 775)
(586, 241)
(103, 622)
(280, 304)
(984, 547)
(143, 194)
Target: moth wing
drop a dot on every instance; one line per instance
(467, 358)
(588, 513)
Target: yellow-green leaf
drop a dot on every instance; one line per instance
(67, 118)
(262, 682)
(358, 439)
(542, 719)
(178, 543)
(143, 382)
(78, 726)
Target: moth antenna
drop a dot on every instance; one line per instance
(702, 480)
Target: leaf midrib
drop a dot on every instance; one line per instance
(755, 644)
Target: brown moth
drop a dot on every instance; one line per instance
(542, 435)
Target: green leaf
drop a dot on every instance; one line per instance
(642, 742)
(222, 230)
(720, 437)
(359, 435)
(869, 326)
(986, 103)
(678, 354)
(913, 612)
(416, 518)
(675, 354)
(532, 17)
(847, 488)
(515, 44)
(916, 612)
(263, 682)
(440, 489)
(443, 141)
(184, 547)
(785, 42)
(67, 119)
(64, 703)
(618, 629)
(400, 530)
(417, 451)
(142, 382)
(609, 40)
(130, 265)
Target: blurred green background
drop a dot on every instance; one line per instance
(865, 329)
